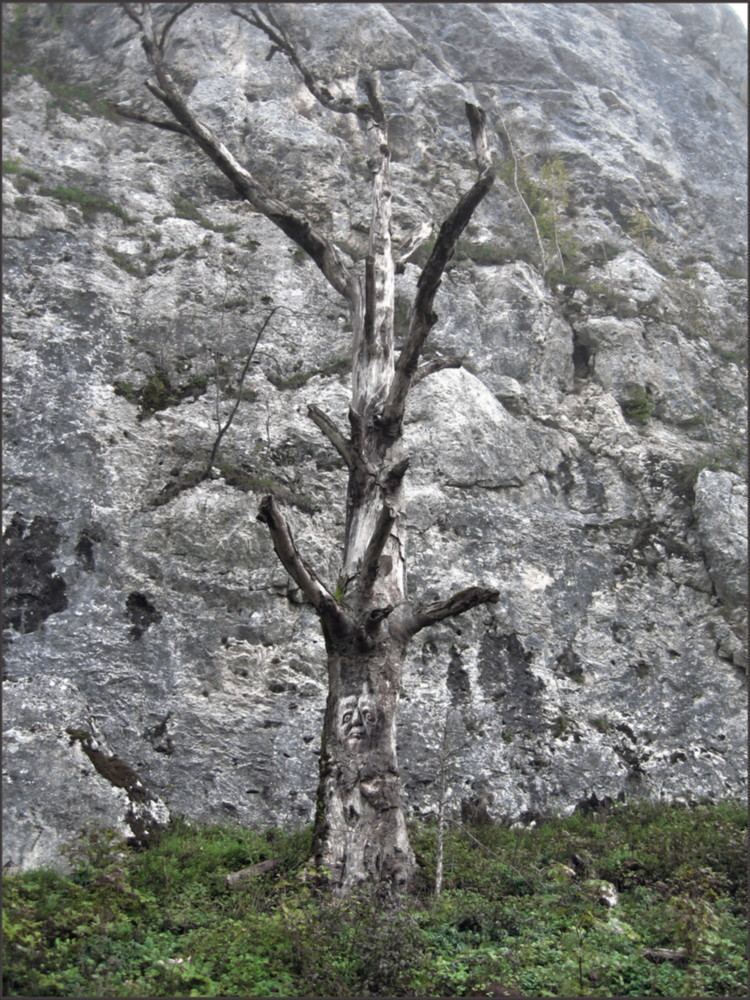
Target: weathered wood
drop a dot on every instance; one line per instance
(292, 223)
(677, 956)
(332, 432)
(437, 365)
(236, 880)
(299, 570)
(423, 318)
(457, 604)
(360, 830)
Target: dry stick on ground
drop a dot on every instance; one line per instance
(360, 830)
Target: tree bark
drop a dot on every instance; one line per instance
(360, 830)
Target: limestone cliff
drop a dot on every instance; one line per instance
(587, 459)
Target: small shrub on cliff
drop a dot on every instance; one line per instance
(638, 406)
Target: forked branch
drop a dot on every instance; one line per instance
(296, 226)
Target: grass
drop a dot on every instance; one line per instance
(513, 915)
(185, 209)
(89, 202)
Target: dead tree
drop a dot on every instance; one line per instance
(360, 833)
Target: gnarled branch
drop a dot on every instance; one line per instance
(462, 601)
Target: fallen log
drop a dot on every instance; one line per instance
(235, 880)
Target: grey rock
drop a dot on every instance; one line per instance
(145, 609)
(721, 510)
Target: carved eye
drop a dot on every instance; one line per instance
(347, 717)
(367, 715)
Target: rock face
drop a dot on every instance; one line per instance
(587, 459)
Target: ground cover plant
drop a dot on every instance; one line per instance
(523, 912)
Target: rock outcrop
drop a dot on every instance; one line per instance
(586, 459)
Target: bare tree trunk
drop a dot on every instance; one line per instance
(360, 831)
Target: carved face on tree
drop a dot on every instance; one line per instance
(358, 719)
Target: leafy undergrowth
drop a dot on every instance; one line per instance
(520, 915)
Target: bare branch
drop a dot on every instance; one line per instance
(302, 573)
(462, 601)
(297, 227)
(225, 427)
(282, 43)
(170, 21)
(423, 318)
(139, 116)
(331, 431)
(435, 366)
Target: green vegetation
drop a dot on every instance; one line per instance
(639, 406)
(89, 202)
(125, 262)
(731, 457)
(258, 481)
(512, 914)
(158, 393)
(640, 228)
(13, 166)
(185, 209)
(339, 366)
(545, 201)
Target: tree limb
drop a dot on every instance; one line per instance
(299, 570)
(170, 22)
(423, 318)
(462, 601)
(139, 116)
(331, 431)
(297, 227)
(282, 43)
(435, 366)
